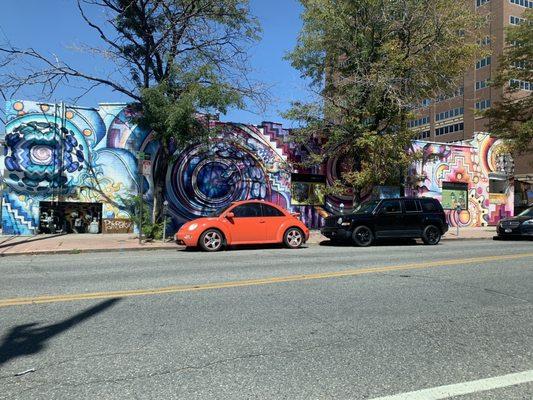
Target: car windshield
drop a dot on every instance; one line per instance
(366, 207)
(527, 213)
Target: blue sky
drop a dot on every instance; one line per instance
(54, 26)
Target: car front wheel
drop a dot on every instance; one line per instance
(293, 238)
(211, 240)
(362, 236)
(431, 235)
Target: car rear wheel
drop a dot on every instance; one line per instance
(362, 236)
(293, 238)
(211, 240)
(431, 235)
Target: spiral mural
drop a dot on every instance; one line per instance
(72, 154)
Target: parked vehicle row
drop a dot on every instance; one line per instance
(260, 222)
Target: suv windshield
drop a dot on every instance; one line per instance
(366, 207)
(527, 213)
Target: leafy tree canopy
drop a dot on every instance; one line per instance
(512, 117)
(370, 63)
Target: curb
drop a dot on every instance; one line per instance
(83, 251)
(154, 248)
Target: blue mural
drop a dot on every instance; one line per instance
(72, 154)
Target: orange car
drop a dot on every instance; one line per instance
(244, 222)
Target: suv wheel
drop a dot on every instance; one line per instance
(362, 236)
(211, 240)
(431, 235)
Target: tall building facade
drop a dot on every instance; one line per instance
(457, 117)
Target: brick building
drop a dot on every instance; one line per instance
(456, 117)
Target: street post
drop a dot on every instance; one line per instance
(165, 206)
(458, 210)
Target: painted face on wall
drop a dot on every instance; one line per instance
(39, 158)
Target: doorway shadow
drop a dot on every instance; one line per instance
(27, 339)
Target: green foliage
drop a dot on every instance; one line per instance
(171, 108)
(512, 118)
(150, 230)
(370, 62)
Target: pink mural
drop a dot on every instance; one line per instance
(474, 163)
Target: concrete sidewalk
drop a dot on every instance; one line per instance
(81, 243)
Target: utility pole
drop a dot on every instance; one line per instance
(165, 207)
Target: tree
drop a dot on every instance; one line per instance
(370, 62)
(512, 118)
(173, 58)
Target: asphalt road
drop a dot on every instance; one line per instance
(317, 323)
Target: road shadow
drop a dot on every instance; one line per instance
(30, 339)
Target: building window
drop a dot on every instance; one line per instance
(418, 122)
(423, 135)
(516, 20)
(483, 105)
(485, 41)
(479, 3)
(522, 3)
(483, 62)
(522, 85)
(482, 84)
(455, 112)
(443, 130)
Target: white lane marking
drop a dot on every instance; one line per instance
(458, 389)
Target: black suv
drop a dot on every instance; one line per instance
(389, 218)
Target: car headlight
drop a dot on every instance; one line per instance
(343, 223)
(528, 222)
(192, 227)
(339, 221)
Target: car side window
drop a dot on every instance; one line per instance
(269, 211)
(391, 207)
(429, 206)
(411, 206)
(249, 210)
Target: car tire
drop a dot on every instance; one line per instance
(293, 238)
(211, 240)
(431, 235)
(362, 236)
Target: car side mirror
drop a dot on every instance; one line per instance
(230, 215)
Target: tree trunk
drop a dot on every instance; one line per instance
(159, 176)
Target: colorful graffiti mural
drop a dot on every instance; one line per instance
(90, 155)
(56, 153)
(471, 162)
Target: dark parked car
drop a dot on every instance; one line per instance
(389, 218)
(520, 226)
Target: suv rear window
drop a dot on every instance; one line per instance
(431, 205)
(411, 205)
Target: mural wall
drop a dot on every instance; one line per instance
(74, 154)
(474, 163)
(94, 159)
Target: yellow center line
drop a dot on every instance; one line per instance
(253, 282)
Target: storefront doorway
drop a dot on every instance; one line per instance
(70, 217)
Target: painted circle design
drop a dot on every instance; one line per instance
(18, 106)
(42, 155)
(203, 181)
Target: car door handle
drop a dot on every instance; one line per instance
(262, 222)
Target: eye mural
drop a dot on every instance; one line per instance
(40, 157)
